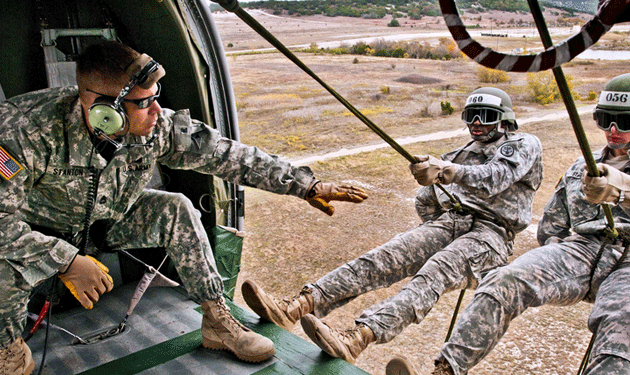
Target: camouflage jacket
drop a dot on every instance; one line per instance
(45, 132)
(569, 212)
(498, 179)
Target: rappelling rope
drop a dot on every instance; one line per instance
(591, 167)
(234, 7)
(578, 129)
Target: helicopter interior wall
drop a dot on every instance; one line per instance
(144, 25)
(152, 27)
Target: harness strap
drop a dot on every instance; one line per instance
(467, 210)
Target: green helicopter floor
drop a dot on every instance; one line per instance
(164, 337)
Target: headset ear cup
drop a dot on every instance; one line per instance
(105, 116)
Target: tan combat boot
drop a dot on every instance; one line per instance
(16, 359)
(442, 367)
(282, 312)
(346, 345)
(222, 331)
(400, 365)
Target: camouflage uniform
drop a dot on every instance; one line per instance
(557, 273)
(46, 133)
(449, 250)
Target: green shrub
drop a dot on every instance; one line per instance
(544, 89)
(487, 75)
(393, 23)
(447, 108)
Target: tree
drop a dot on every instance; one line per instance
(393, 23)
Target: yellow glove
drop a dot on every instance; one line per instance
(610, 187)
(429, 170)
(87, 279)
(322, 193)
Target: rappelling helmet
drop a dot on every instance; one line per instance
(613, 107)
(491, 106)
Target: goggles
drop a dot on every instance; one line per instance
(485, 115)
(145, 102)
(605, 120)
(141, 103)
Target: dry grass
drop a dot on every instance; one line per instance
(289, 244)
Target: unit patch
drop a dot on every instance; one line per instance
(507, 150)
(9, 167)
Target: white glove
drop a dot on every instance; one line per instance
(430, 170)
(611, 187)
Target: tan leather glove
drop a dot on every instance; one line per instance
(87, 279)
(430, 170)
(323, 192)
(611, 187)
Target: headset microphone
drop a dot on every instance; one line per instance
(148, 143)
(98, 132)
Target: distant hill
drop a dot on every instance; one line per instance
(404, 8)
(576, 5)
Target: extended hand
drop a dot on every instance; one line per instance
(610, 187)
(322, 193)
(87, 279)
(429, 170)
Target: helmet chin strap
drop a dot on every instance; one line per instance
(613, 146)
(490, 137)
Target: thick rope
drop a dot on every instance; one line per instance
(233, 6)
(578, 129)
(554, 56)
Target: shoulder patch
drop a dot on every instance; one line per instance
(507, 150)
(9, 167)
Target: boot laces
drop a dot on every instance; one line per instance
(295, 304)
(442, 368)
(224, 314)
(350, 335)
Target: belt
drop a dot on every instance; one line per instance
(467, 210)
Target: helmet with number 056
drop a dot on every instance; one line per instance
(490, 106)
(613, 106)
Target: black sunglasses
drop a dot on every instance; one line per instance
(606, 119)
(141, 103)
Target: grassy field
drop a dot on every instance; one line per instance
(289, 244)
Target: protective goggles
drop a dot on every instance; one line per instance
(145, 102)
(605, 120)
(141, 103)
(485, 115)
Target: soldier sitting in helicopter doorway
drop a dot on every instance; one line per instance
(58, 144)
(579, 259)
(491, 182)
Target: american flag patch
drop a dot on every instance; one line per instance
(8, 166)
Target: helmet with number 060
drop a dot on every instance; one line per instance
(490, 106)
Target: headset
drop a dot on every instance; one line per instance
(107, 115)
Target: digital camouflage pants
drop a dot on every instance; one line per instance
(452, 252)
(556, 274)
(157, 219)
